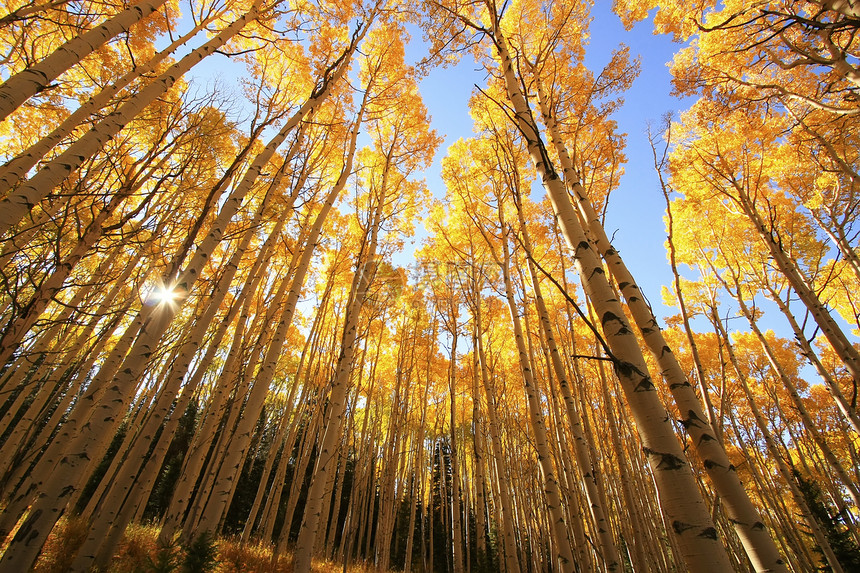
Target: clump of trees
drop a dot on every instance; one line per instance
(203, 325)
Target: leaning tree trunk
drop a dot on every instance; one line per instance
(849, 355)
(337, 402)
(756, 539)
(679, 494)
(606, 544)
(53, 283)
(848, 410)
(30, 81)
(120, 501)
(15, 169)
(77, 445)
(784, 470)
(564, 557)
(240, 440)
(806, 419)
(26, 196)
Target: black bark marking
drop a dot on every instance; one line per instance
(609, 316)
(709, 532)
(667, 461)
(692, 418)
(680, 527)
(624, 368)
(710, 464)
(26, 530)
(645, 385)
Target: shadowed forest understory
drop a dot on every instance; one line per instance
(217, 352)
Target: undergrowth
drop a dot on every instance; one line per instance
(140, 552)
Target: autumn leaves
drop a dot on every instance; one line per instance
(478, 407)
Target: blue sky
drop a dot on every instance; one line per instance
(635, 215)
(636, 208)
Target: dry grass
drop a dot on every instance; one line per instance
(61, 546)
(140, 552)
(235, 557)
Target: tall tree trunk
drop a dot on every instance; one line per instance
(23, 198)
(606, 544)
(456, 509)
(53, 283)
(755, 537)
(690, 520)
(15, 169)
(849, 355)
(416, 480)
(56, 487)
(848, 410)
(30, 81)
(564, 558)
(776, 455)
(337, 401)
(509, 543)
(120, 501)
(239, 440)
(808, 424)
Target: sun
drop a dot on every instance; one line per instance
(162, 294)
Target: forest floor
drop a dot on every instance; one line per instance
(141, 552)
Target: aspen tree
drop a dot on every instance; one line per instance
(330, 77)
(762, 426)
(564, 557)
(199, 447)
(182, 362)
(793, 547)
(310, 522)
(23, 198)
(16, 168)
(447, 305)
(83, 353)
(269, 518)
(848, 412)
(417, 481)
(153, 322)
(52, 284)
(122, 498)
(760, 547)
(676, 284)
(790, 386)
(286, 423)
(30, 81)
(770, 236)
(335, 414)
(472, 300)
(264, 376)
(679, 495)
(394, 458)
(608, 551)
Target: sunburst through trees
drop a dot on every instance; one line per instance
(209, 336)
